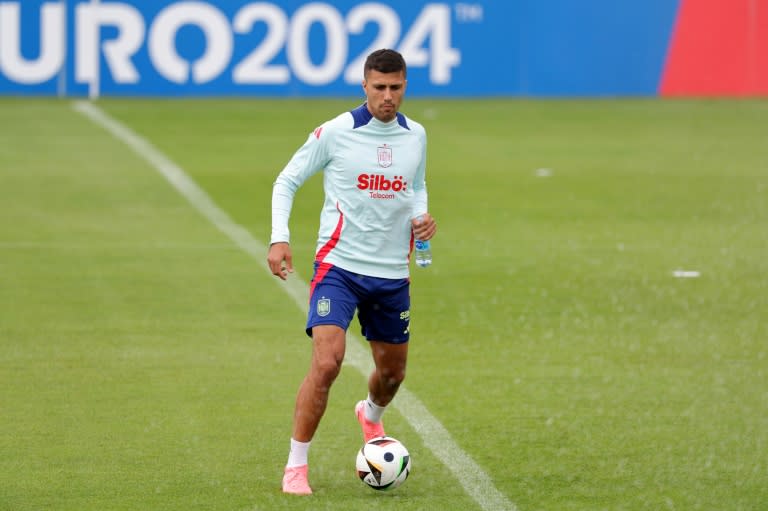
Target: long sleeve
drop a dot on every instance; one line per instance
(282, 201)
(309, 159)
(420, 202)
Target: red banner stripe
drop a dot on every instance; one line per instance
(719, 47)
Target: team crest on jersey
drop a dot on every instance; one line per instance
(323, 307)
(385, 156)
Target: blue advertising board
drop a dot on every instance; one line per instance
(306, 48)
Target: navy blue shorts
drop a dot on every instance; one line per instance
(383, 305)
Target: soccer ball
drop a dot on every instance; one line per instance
(383, 463)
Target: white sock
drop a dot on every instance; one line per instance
(298, 453)
(373, 412)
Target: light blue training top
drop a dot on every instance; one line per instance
(374, 182)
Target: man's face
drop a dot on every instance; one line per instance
(385, 93)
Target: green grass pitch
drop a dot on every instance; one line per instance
(148, 363)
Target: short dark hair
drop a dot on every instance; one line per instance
(385, 61)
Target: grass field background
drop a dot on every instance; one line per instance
(146, 362)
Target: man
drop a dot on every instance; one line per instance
(374, 161)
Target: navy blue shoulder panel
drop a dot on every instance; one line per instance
(361, 115)
(402, 122)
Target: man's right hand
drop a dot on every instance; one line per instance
(280, 253)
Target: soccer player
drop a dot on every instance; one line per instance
(374, 163)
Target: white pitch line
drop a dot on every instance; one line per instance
(470, 475)
(686, 274)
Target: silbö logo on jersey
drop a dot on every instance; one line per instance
(375, 184)
(380, 186)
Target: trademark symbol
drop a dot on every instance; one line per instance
(468, 13)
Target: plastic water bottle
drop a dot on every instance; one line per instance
(423, 252)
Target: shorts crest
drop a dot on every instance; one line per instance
(323, 307)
